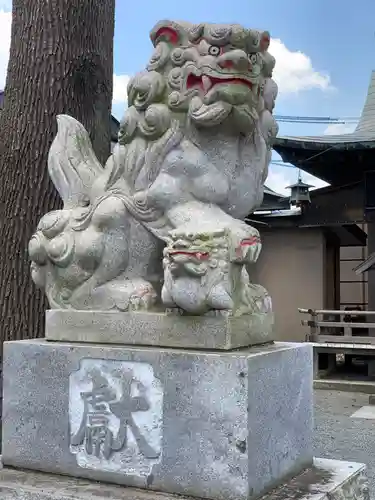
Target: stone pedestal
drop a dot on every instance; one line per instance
(227, 425)
(325, 480)
(160, 329)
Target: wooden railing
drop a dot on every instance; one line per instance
(345, 330)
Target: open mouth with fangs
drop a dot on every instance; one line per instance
(196, 255)
(206, 82)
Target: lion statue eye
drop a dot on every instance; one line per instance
(253, 58)
(214, 50)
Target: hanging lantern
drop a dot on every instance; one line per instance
(299, 193)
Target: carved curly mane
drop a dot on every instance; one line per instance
(193, 148)
(162, 106)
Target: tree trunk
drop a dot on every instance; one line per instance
(61, 62)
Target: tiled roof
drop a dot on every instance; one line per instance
(364, 132)
(271, 192)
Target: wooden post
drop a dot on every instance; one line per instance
(371, 286)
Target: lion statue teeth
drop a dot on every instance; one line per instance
(194, 146)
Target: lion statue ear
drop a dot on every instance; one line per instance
(265, 39)
(167, 31)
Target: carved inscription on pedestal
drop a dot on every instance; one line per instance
(115, 413)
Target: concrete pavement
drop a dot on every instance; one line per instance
(339, 435)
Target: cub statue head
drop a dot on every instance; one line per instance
(204, 271)
(205, 75)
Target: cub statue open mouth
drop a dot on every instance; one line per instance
(205, 272)
(190, 164)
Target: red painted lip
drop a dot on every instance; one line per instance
(194, 81)
(197, 255)
(250, 241)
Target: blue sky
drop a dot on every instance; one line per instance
(324, 49)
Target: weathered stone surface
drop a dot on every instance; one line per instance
(190, 164)
(326, 480)
(159, 329)
(219, 425)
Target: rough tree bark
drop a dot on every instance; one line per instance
(61, 61)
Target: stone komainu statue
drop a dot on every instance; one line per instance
(192, 158)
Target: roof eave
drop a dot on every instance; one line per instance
(286, 143)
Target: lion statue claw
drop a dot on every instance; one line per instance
(166, 210)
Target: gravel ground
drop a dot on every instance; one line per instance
(341, 437)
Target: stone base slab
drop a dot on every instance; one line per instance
(159, 329)
(326, 480)
(226, 425)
